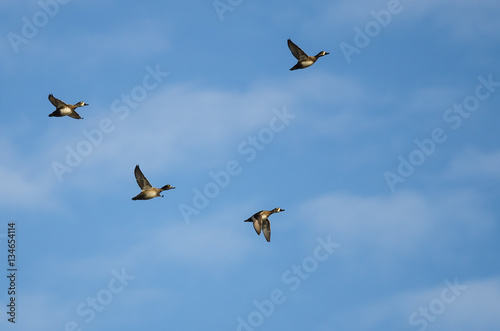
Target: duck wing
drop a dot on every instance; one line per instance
(257, 225)
(266, 229)
(75, 115)
(141, 180)
(296, 51)
(56, 102)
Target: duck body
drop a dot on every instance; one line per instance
(303, 60)
(303, 64)
(60, 112)
(147, 194)
(64, 109)
(261, 222)
(147, 190)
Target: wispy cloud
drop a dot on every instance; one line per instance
(403, 223)
(475, 164)
(474, 307)
(184, 121)
(24, 184)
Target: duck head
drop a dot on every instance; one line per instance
(167, 187)
(322, 53)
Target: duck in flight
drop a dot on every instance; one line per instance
(147, 191)
(64, 109)
(303, 60)
(260, 221)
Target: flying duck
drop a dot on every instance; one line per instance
(260, 221)
(147, 191)
(304, 60)
(63, 109)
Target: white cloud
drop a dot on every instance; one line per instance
(181, 127)
(213, 242)
(24, 183)
(464, 20)
(432, 101)
(472, 21)
(373, 221)
(474, 164)
(33, 310)
(139, 38)
(91, 49)
(475, 309)
(186, 128)
(404, 224)
(423, 309)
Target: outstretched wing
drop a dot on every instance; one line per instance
(257, 221)
(266, 229)
(141, 180)
(296, 51)
(257, 225)
(56, 102)
(75, 115)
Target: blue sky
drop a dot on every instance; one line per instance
(385, 155)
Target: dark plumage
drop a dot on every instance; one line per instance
(147, 191)
(261, 222)
(64, 109)
(303, 60)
